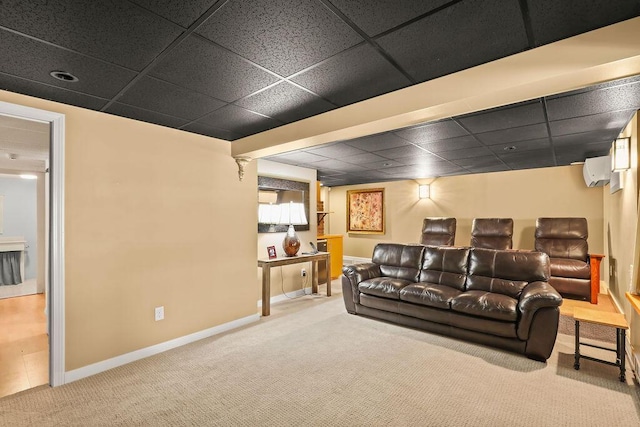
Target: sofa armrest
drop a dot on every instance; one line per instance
(534, 296)
(356, 273)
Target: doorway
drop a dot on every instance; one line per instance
(52, 243)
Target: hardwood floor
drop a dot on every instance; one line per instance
(24, 346)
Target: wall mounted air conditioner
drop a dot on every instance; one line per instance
(597, 171)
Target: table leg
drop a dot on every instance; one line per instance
(328, 275)
(314, 277)
(266, 290)
(576, 364)
(621, 337)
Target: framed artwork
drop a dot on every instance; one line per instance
(365, 211)
(271, 250)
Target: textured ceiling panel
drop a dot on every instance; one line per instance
(112, 30)
(284, 36)
(616, 98)
(353, 75)
(336, 151)
(440, 44)
(238, 120)
(507, 136)
(437, 131)
(553, 20)
(504, 118)
(181, 12)
(451, 144)
(198, 64)
(612, 121)
(378, 142)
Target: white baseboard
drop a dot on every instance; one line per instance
(105, 365)
(283, 297)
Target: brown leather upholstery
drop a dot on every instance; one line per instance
(492, 233)
(494, 297)
(438, 231)
(565, 241)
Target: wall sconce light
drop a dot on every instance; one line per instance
(424, 191)
(621, 158)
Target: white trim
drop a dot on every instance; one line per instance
(105, 365)
(56, 296)
(283, 297)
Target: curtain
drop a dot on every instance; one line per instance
(10, 268)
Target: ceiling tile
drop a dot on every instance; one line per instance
(145, 115)
(336, 165)
(238, 120)
(532, 144)
(181, 12)
(529, 159)
(485, 169)
(386, 14)
(451, 144)
(506, 136)
(115, 31)
(566, 155)
(586, 137)
(611, 121)
(431, 132)
(284, 36)
(53, 93)
(285, 102)
(553, 20)
(198, 65)
(167, 98)
(377, 142)
(615, 98)
(440, 44)
(504, 118)
(400, 152)
(382, 164)
(298, 157)
(466, 153)
(368, 158)
(203, 129)
(479, 162)
(353, 75)
(33, 60)
(424, 159)
(336, 151)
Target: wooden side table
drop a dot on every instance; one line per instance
(615, 320)
(266, 265)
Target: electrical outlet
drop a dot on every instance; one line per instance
(159, 313)
(303, 273)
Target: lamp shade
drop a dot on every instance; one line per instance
(268, 214)
(292, 214)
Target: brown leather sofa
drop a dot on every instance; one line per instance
(492, 233)
(438, 231)
(575, 273)
(498, 298)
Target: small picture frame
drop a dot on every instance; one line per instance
(271, 250)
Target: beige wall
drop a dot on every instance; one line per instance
(288, 277)
(620, 228)
(153, 216)
(522, 195)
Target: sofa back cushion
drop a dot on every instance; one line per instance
(505, 272)
(444, 265)
(398, 261)
(562, 237)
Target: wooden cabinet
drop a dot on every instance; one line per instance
(334, 247)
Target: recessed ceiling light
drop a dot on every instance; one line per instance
(64, 76)
(386, 164)
(509, 148)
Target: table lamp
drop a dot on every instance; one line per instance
(292, 214)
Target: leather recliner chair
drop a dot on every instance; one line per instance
(575, 273)
(438, 231)
(492, 233)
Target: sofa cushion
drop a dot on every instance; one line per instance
(564, 267)
(398, 261)
(385, 287)
(505, 272)
(444, 266)
(562, 237)
(486, 304)
(438, 296)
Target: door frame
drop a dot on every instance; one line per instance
(56, 233)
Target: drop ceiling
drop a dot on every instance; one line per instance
(232, 68)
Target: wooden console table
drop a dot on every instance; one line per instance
(266, 265)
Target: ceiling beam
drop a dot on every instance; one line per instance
(605, 54)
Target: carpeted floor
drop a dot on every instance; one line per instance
(323, 367)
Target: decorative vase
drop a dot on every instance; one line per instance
(291, 243)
